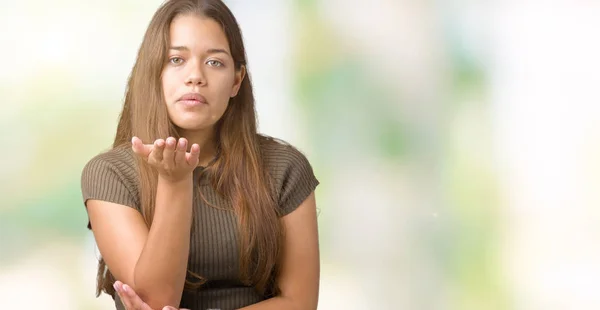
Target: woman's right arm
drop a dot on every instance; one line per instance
(152, 261)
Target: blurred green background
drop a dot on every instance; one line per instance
(457, 144)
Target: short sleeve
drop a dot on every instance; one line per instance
(297, 180)
(107, 178)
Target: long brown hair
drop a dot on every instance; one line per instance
(238, 172)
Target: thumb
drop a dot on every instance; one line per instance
(140, 148)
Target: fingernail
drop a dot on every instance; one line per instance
(125, 288)
(181, 142)
(116, 286)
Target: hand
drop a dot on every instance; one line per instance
(132, 301)
(171, 159)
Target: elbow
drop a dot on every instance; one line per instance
(307, 307)
(159, 297)
(160, 304)
(156, 293)
(302, 303)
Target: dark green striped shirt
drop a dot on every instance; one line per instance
(112, 177)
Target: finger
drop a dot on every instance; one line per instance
(169, 308)
(124, 300)
(134, 300)
(181, 150)
(157, 152)
(169, 152)
(140, 148)
(192, 157)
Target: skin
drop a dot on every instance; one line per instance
(151, 263)
(132, 301)
(199, 61)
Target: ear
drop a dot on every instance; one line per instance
(239, 77)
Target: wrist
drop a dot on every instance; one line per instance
(174, 181)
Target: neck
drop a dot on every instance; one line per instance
(204, 139)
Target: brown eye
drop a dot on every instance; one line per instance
(214, 63)
(176, 60)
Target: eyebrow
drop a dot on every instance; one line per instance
(209, 51)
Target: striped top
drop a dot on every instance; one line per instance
(112, 177)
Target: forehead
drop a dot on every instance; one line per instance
(197, 32)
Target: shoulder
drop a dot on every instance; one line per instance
(280, 156)
(278, 151)
(113, 172)
(118, 160)
(292, 174)
(112, 177)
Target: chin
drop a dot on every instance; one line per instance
(193, 126)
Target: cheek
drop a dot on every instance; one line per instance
(168, 85)
(226, 85)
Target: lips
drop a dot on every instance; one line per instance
(192, 99)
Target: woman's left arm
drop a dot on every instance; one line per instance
(299, 275)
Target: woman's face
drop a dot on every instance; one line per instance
(199, 76)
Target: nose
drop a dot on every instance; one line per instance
(195, 75)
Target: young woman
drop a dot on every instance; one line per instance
(191, 207)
